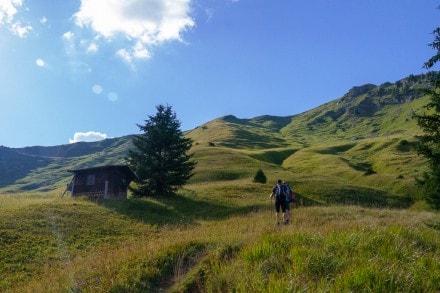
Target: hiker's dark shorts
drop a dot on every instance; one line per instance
(280, 204)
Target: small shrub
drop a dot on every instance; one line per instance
(403, 142)
(404, 146)
(260, 177)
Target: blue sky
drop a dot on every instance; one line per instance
(90, 69)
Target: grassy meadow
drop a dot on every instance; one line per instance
(359, 225)
(213, 236)
(361, 228)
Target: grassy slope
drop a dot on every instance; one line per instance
(220, 228)
(360, 148)
(378, 170)
(205, 240)
(375, 121)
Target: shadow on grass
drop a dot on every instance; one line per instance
(302, 200)
(366, 197)
(174, 209)
(275, 157)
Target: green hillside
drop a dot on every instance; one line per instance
(362, 143)
(360, 148)
(218, 234)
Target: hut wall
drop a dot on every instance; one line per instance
(100, 183)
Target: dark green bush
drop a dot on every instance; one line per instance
(260, 177)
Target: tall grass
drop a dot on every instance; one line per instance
(64, 245)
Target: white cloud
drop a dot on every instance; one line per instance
(88, 136)
(8, 12)
(92, 48)
(69, 44)
(139, 51)
(43, 20)
(8, 9)
(40, 62)
(124, 54)
(143, 23)
(68, 35)
(19, 30)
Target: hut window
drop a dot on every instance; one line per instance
(90, 179)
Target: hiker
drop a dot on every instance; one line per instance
(278, 191)
(289, 199)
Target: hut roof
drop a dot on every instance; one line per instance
(124, 169)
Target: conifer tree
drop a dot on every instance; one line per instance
(429, 142)
(160, 156)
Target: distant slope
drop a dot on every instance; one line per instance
(363, 112)
(15, 165)
(75, 149)
(45, 168)
(230, 131)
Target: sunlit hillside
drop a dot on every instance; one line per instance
(359, 223)
(362, 143)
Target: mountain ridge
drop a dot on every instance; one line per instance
(364, 112)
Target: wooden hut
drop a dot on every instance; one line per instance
(101, 182)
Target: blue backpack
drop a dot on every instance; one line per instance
(290, 196)
(280, 191)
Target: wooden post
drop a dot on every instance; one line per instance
(106, 189)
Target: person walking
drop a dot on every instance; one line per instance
(279, 192)
(289, 199)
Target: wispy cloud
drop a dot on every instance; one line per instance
(68, 35)
(92, 48)
(209, 14)
(88, 136)
(20, 30)
(8, 12)
(143, 23)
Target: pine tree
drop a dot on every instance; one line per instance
(160, 159)
(429, 143)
